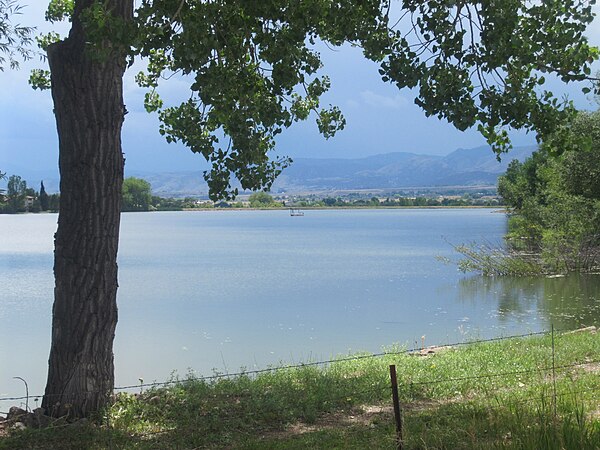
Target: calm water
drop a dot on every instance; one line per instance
(226, 289)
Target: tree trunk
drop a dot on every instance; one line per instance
(88, 104)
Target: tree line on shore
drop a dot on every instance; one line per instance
(402, 201)
(137, 196)
(554, 202)
(19, 198)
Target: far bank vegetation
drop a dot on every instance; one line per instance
(554, 207)
(138, 197)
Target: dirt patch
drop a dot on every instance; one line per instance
(363, 416)
(368, 414)
(432, 350)
(427, 404)
(594, 415)
(592, 330)
(591, 367)
(576, 371)
(3, 428)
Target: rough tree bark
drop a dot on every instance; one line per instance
(88, 104)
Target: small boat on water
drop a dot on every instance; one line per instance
(296, 212)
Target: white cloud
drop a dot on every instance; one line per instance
(382, 101)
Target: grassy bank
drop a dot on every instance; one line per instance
(501, 394)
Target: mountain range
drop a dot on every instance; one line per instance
(463, 167)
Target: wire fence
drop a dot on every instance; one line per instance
(326, 362)
(227, 411)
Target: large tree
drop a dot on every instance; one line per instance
(253, 70)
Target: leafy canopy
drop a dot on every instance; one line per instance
(556, 201)
(137, 194)
(253, 68)
(16, 193)
(15, 39)
(258, 199)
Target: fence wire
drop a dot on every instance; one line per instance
(500, 400)
(294, 366)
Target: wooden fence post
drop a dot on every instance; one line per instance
(397, 412)
(553, 376)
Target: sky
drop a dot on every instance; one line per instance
(380, 118)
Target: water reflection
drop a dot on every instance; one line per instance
(566, 302)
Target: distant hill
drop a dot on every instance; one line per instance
(462, 167)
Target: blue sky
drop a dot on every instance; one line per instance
(380, 118)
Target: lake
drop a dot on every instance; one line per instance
(220, 290)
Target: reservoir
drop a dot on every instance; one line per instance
(222, 290)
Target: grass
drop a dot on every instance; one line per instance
(488, 395)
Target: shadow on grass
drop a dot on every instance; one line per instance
(521, 425)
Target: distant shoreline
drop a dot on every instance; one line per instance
(333, 208)
(304, 208)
